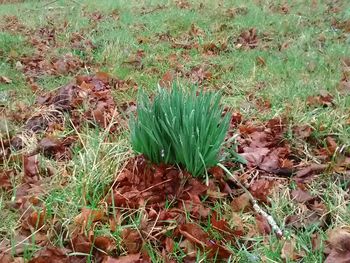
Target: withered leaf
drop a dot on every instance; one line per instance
(131, 240)
(31, 165)
(263, 225)
(169, 244)
(323, 99)
(309, 172)
(301, 196)
(339, 240)
(241, 203)
(131, 258)
(81, 243)
(5, 179)
(51, 254)
(194, 233)
(288, 250)
(88, 215)
(261, 189)
(167, 79)
(303, 131)
(104, 243)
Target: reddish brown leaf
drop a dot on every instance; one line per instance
(309, 172)
(131, 240)
(31, 165)
(81, 243)
(88, 216)
(324, 99)
(330, 149)
(220, 225)
(241, 203)
(197, 236)
(263, 225)
(167, 79)
(37, 219)
(169, 245)
(5, 179)
(51, 254)
(339, 240)
(104, 243)
(288, 250)
(316, 241)
(194, 233)
(301, 196)
(131, 258)
(255, 156)
(305, 218)
(303, 132)
(261, 189)
(103, 76)
(236, 118)
(217, 172)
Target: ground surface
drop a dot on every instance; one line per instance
(69, 191)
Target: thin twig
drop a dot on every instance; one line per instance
(255, 204)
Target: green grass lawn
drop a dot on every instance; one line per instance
(300, 50)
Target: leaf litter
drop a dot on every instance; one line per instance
(152, 187)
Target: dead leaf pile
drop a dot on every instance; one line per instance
(264, 147)
(248, 39)
(142, 184)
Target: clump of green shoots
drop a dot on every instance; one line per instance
(179, 126)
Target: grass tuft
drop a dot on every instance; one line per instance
(180, 126)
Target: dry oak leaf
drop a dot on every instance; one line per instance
(241, 203)
(309, 172)
(31, 165)
(51, 254)
(324, 99)
(301, 196)
(261, 189)
(104, 243)
(339, 240)
(131, 258)
(288, 250)
(263, 225)
(132, 240)
(87, 215)
(167, 79)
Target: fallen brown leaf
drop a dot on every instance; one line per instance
(263, 225)
(131, 240)
(309, 172)
(261, 189)
(241, 203)
(301, 196)
(31, 165)
(339, 240)
(131, 258)
(288, 250)
(167, 79)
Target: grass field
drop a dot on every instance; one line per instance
(269, 59)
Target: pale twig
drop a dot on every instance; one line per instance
(255, 204)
